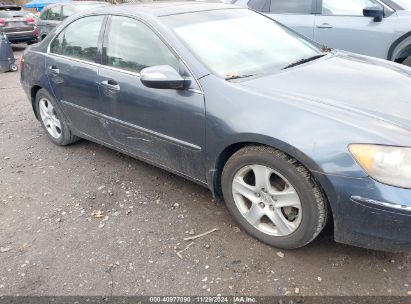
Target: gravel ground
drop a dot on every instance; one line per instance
(86, 220)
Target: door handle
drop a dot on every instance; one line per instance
(54, 69)
(325, 26)
(111, 84)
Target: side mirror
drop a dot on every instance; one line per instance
(162, 77)
(375, 11)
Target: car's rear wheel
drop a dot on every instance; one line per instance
(13, 67)
(52, 120)
(273, 197)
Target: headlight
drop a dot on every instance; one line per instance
(386, 164)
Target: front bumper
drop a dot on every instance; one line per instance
(370, 214)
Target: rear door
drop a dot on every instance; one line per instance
(72, 69)
(296, 14)
(341, 25)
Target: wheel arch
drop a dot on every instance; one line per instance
(214, 174)
(217, 165)
(33, 93)
(396, 43)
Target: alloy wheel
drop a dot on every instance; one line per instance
(49, 118)
(267, 200)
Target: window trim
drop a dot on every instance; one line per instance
(391, 4)
(104, 59)
(98, 62)
(388, 11)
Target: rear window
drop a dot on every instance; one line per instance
(302, 7)
(83, 7)
(76, 43)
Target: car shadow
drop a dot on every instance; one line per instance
(323, 245)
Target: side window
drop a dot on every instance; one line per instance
(346, 7)
(77, 43)
(133, 46)
(54, 13)
(300, 7)
(67, 11)
(44, 15)
(259, 5)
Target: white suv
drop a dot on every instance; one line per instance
(379, 28)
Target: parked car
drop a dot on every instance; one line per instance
(53, 14)
(17, 24)
(289, 135)
(379, 28)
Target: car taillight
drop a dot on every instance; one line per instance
(30, 21)
(36, 32)
(2, 22)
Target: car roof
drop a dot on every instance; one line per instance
(75, 3)
(165, 8)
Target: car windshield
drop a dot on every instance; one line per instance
(404, 4)
(237, 43)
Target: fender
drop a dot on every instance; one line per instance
(235, 143)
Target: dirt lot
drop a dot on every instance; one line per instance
(51, 244)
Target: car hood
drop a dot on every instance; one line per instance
(371, 87)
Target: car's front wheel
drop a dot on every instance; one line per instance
(273, 197)
(402, 52)
(52, 120)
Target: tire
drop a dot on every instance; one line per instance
(400, 51)
(290, 183)
(13, 67)
(60, 134)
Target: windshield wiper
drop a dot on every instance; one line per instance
(304, 60)
(231, 77)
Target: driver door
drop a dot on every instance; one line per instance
(163, 126)
(341, 25)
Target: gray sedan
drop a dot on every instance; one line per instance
(290, 136)
(53, 14)
(379, 28)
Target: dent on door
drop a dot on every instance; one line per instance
(164, 126)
